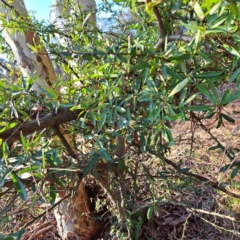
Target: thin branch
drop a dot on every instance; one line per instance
(4, 66)
(217, 185)
(65, 143)
(45, 212)
(190, 209)
(172, 38)
(213, 137)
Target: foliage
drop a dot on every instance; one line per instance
(122, 86)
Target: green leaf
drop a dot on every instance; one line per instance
(93, 118)
(206, 93)
(32, 47)
(23, 140)
(150, 212)
(53, 193)
(207, 75)
(109, 117)
(142, 63)
(234, 97)
(151, 85)
(229, 119)
(210, 114)
(198, 10)
(234, 8)
(184, 170)
(51, 92)
(234, 75)
(19, 187)
(199, 108)
(234, 172)
(219, 121)
(232, 50)
(181, 57)
(215, 7)
(225, 97)
(104, 154)
(197, 37)
(179, 87)
(214, 147)
(190, 98)
(102, 121)
(164, 70)
(43, 160)
(86, 19)
(177, 5)
(170, 138)
(121, 58)
(143, 143)
(173, 117)
(29, 169)
(5, 150)
(205, 57)
(228, 166)
(4, 177)
(214, 89)
(120, 109)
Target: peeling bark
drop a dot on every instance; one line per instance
(28, 61)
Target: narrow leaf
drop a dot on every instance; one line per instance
(19, 187)
(4, 177)
(198, 10)
(232, 50)
(102, 121)
(179, 87)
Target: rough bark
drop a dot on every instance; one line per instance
(50, 120)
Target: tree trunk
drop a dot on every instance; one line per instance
(73, 216)
(29, 62)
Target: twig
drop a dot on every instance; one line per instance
(172, 38)
(209, 132)
(217, 185)
(185, 226)
(185, 206)
(35, 234)
(42, 214)
(235, 232)
(65, 143)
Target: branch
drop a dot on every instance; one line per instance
(172, 38)
(213, 137)
(45, 212)
(161, 28)
(65, 143)
(217, 185)
(64, 115)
